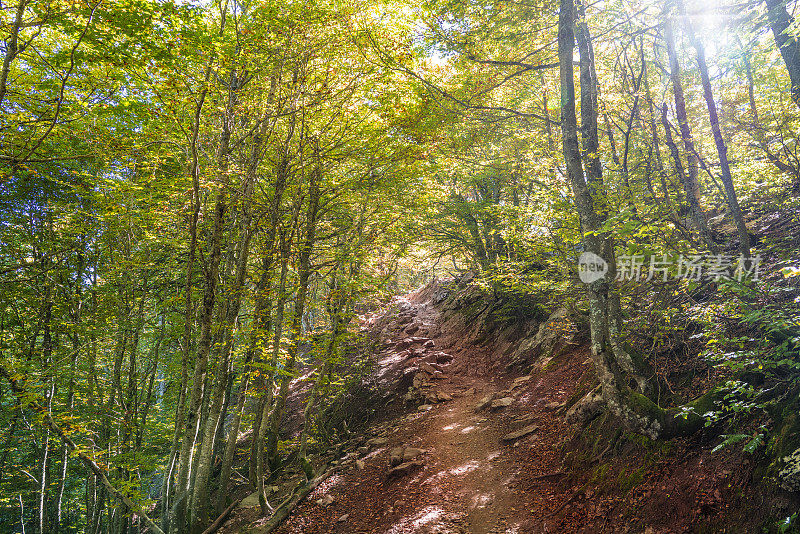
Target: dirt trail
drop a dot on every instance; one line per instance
(472, 481)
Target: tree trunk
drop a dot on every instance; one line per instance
(266, 401)
(225, 330)
(782, 23)
(180, 410)
(303, 274)
(759, 132)
(335, 314)
(193, 413)
(722, 149)
(691, 184)
(655, 146)
(596, 240)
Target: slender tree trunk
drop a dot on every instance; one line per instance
(722, 149)
(782, 23)
(264, 301)
(179, 461)
(266, 402)
(193, 413)
(64, 452)
(21, 514)
(590, 211)
(337, 308)
(261, 314)
(597, 192)
(758, 129)
(47, 357)
(204, 457)
(12, 48)
(44, 472)
(154, 371)
(691, 183)
(303, 274)
(656, 145)
(679, 170)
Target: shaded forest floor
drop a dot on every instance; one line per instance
(466, 474)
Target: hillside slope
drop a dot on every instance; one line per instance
(466, 447)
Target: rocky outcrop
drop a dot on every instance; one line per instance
(501, 403)
(514, 436)
(552, 337)
(586, 409)
(404, 468)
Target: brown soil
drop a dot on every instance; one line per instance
(553, 480)
(471, 482)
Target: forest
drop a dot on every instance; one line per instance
(382, 266)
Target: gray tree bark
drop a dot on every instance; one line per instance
(689, 178)
(722, 149)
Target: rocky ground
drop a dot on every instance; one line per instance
(479, 450)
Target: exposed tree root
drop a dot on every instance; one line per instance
(285, 508)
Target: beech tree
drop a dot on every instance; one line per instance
(199, 199)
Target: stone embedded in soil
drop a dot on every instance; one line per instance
(405, 468)
(377, 442)
(424, 407)
(553, 406)
(444, 397)
(404, 355)
(251, 500)
(431, 360)
(326, 500)
(513, 436)
(484, 402)
(525, 419)
(406, 343)
(502, 403)
(443, 357)
(420, 380)
(411, 452)
(428, 368)
(343, 518)
(396, 456)
(519, 382)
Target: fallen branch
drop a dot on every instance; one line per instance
(290, 503)
(213, 527)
